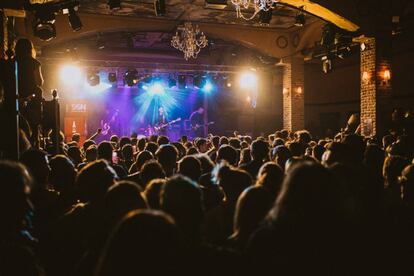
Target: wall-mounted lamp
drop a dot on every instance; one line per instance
(299, 90)
(386, 75)
(366, 77)
(286, 91)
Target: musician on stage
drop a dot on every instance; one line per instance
(30, 81)
(162, 122)
(197, 123)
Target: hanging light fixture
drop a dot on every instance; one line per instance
(189, 39)
(258, 5)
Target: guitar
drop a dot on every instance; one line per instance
(105, 127)
(197, 126)
(157, 128)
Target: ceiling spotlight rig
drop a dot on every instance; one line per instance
(334, 43)
(45, 17)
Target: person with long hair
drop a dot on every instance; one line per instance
(30, 80)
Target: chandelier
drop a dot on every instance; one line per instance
(259, 5)
(189, 40)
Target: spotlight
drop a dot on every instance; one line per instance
(265, 17)
(228, 83)
(93, 78)
(344, 52)
(197, 81)
(156, 88)
(131, 77)
(159, 7)
(181, 81)
(248, 80)
(74, 20)
(328, 35)
(44, 27)
(208, 86)
(70, 74)
(171, 82)
(326, 64)
(300, 20)
(114, 4)
(112, 77)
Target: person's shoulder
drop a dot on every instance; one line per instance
(35, 61)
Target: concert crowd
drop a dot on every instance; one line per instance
(282, 204)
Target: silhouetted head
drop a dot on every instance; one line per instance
(245, 156)
(270, 177)
(393, 166)
(259, 150)
(141, 144)
(227, 153)
(94, 180)
(317, 152)
(201, 145)
(24, 49)
(125, 140)
(336, 153)
(152, 193)
(151, 170)
(91, 153)
(105, 150)
(121, 198)
(145, 242)
(167, 157)
(182, 199)
(37, 163)
(14, 196)
(87, 144)
(75, 155)
(76, 137)
(307, 197)
(163, 140)
(280, 155)
(151, 147)
(190, 166)
(251, 208)
(296, 149)
(206, 164)
(234, 142)
(232, 180)
(127, 152)
(62, 174)
(223, 141)
(143, 157)
(215, 140)
(356, 146)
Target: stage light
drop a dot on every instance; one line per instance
(229, 84)
(182, 81)
(131, 77)
(44, 27)
(74, 20)
(93, 78)
(114, 4)
(248, 80)
(172, 82)
(208, 87)
(328, 35)
(112, 77)
(70, 74)
(156, 88)
(344, 52)
(326, 64)
(300, 20)
(145, 87)
(159, 7)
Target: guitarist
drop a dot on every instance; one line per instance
(162, 120)
(197, 123)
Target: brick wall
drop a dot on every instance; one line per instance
(293, 94)
(376, 96)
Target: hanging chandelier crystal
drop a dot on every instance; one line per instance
(259, 5)
(189, 40)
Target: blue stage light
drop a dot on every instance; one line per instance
(208, 86)
(156, 88)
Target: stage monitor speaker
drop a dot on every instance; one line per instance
(49, 118)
